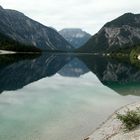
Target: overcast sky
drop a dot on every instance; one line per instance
(90, 15)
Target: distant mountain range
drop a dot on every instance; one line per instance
(20, 28)
(123, 32)
(76, 37)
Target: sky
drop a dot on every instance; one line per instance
(89, 15)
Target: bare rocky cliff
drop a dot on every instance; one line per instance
(122, 32)
(75, 36)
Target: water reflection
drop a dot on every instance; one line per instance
(16, 72)
(123, 77)
(68, 99)
(75, 68)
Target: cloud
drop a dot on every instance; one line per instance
(89, 15)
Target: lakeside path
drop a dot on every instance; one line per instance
(112, 129)
(6, 52)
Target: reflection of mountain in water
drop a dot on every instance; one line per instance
(108, 70)
(8, 59)
(18, 73)
(124, 78)
(74, 68)
(15, 73)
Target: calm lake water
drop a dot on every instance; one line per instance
(62, 97)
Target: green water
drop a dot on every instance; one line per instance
(57, 108)
(61, 97)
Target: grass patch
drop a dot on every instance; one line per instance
(131, 119)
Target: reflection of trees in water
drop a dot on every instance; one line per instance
(8, 59)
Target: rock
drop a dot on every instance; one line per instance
(76, 37)
(111, 129)
(123, 32)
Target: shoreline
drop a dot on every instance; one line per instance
(111, 129)
(3, 52)
(6, 52)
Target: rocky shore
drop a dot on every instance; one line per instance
(112, 128)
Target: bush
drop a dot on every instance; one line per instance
(131, 119)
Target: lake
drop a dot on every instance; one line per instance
(62, 96)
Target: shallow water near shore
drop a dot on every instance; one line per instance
(61, 96)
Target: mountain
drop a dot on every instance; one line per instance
(120, 33)
(20, 28)
(6, 43)
(76, 37)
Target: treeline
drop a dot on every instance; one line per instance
(6, 43)
(135, 53)
(129, 54)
